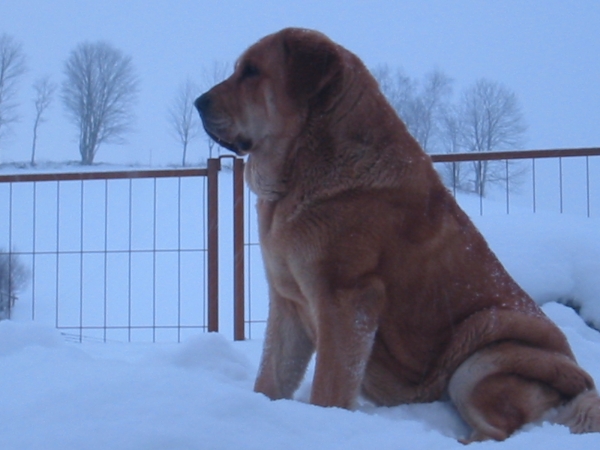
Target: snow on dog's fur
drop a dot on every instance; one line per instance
(370, 261)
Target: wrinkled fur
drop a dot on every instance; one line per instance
(370, 261)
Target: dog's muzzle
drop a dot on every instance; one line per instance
(204, 106)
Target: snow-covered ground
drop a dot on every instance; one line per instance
(198, 394)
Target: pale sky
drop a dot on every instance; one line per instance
(546, 51)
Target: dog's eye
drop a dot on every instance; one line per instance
(250, 71)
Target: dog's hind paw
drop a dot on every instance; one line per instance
(582, 414)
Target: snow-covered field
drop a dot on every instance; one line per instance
(198, 394)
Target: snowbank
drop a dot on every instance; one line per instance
(198, 395)
(554, 257)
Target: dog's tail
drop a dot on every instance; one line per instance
(504, 386)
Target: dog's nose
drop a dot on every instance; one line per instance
(202, 103)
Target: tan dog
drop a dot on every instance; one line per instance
(370, 261)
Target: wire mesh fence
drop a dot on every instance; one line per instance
(111, 255)
(565, 181)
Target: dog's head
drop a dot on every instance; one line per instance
(274, 84)
(306, 111)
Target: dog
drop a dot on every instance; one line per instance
(371, 264)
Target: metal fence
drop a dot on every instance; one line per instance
(525, 182)
(115, 255)
(135, 255)
(564, 180)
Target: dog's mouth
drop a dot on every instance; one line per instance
(240, 146)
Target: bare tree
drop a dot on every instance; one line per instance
(211, 76)
(421, 105)
(492, 120)
(13, 277)
(429, 108)
(12, 67)
(487, 117)
(99, 91)
(182, 116)
(399, 89)
(44, 92)
(452, 141)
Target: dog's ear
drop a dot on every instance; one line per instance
(313, 66)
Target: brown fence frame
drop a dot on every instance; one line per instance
(213, 168)
(211, 172)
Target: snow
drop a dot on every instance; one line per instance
(198, 394)
(553, 257)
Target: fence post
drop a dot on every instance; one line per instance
(238, 249)
(213, 166)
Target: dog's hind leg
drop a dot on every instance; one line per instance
(505, 386)
(286, 353)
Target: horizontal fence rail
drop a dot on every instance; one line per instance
(514, 155)
(103, 175)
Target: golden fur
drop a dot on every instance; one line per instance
(370, 261)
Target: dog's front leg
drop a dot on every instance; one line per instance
(347, 322)
(287, 350)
